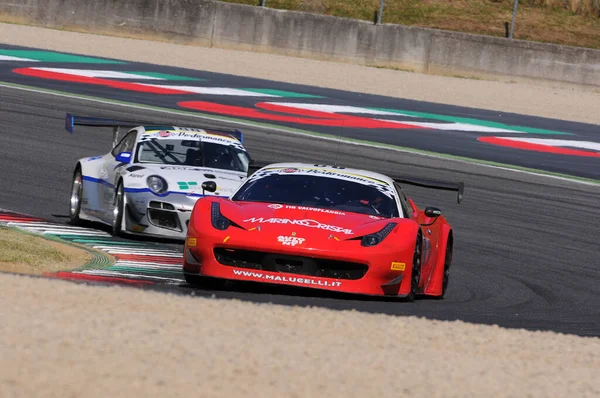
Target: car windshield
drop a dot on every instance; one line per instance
(321, 192)
(192, 153)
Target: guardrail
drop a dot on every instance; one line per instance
(252, 28)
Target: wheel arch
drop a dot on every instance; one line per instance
(450, 244)
(120, 181)
(435, 285)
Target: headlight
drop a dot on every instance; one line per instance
(378, 237)
(157, 184)
(217, 219)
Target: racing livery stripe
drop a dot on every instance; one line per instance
(98, 181)
(162, 195)
(141, 190)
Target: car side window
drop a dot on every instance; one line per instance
(126, 144)
(406, 207)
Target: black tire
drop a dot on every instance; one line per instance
(447, 262)
(205, 282)
(118, 210)
(76, 196)
(415, 275)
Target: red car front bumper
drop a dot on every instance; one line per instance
(380, 270)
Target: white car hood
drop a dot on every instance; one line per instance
(186, 179)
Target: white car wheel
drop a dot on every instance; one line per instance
(76, 196)
(118, 210)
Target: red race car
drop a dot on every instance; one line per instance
(324, 227)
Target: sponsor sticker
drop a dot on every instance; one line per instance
(290, 240)
(235, 175)
(304, 281)
(277, 206)
(185, 185)
(303, 223)
(134, 175)
(182, 133)
(382, 186)
(398, 266)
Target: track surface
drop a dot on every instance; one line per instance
(408, 123)
(525, 246)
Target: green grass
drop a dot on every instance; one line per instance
(552, 21)
(27, 253)
(16, 247)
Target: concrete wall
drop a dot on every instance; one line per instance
(252, 28)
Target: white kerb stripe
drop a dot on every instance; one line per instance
(592, 146)
(10, 58)
(126, 275)
(450, 126)
(156, 266)
(105, 74)
(455, 127)
(212, 90)
(337, 109)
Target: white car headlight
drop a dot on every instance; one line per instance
(157, 184)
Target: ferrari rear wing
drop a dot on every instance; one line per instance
(458, 187)
(71, 121)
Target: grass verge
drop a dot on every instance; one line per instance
(31, 254)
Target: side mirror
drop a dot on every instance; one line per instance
(432, 212)
(209, 186)
(123, 157)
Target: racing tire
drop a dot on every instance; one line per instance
(446, 276)
(118, 210)
(76, 196)
(205, 282)
(415, 274)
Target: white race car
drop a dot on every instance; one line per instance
(150, 180)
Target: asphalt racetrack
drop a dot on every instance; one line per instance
(525, 245)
